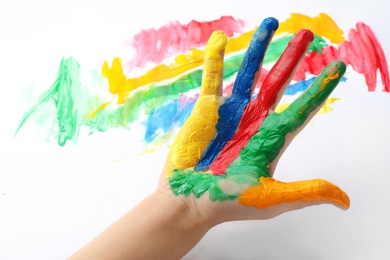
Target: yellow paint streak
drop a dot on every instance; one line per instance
(121, 86)
(239, 43)
(199, 129)
(326, 108)
(97, 110)
(272, 192)
(117, 81)
(321, 25)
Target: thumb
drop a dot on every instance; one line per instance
(271, 192)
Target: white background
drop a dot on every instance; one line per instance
(55, 199)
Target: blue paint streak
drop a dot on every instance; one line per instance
(298, 87)
(162, 119)
(302, 86)
(231, 111)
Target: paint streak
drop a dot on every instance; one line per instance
(64, 94)
(231, 111)
(363, 52)
(326, 108)
(97, 110)
(156, 45)
(321, 25)
(257, 110)
(199, 128)
(271, 192)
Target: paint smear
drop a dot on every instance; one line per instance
(155, 45)
(64, 94)
(321, 25)
(326, 108)
(363, 52)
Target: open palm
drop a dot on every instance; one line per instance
(228, 149)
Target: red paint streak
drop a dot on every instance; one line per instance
(155, 45)
(363, 52)
(257, 110)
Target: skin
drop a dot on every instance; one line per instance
(187, 203)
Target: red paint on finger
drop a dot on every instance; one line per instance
(257, 110)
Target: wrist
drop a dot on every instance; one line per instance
(183, 210)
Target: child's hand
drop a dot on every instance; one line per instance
(225, 154)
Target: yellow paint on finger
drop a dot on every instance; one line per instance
(272, 192)
(199, 129)
(321, 25)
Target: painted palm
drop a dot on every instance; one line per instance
(229, 147)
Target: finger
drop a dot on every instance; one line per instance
(199, 129)
(231, 111)
(249, 71)
(302, 110)
(272, 192)
(295, 117)
(283, 71)
(271, 90)
(213, 64)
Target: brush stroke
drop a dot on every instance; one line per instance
(363, 52)
(64, 93)
(321, 25)
(155, 45)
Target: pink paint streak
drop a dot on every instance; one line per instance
(156, 45)
(363, 52)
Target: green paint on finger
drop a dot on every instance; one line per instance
(266, 144)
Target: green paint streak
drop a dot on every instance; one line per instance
(64, 93)
(263, 147)
(145, 100)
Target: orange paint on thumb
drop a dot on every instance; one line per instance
(271, 192)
